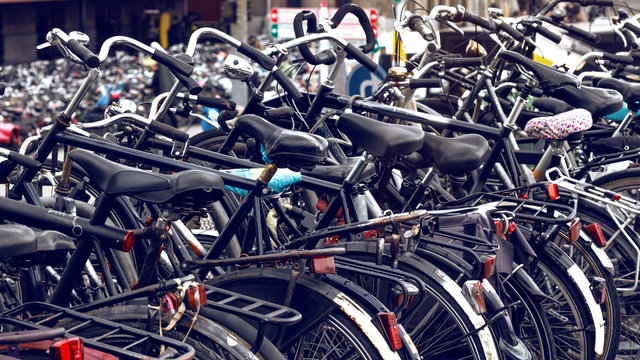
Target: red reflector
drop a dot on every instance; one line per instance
(616, 197)
(324, 265)
(390, 326)
(489, 266)
(596, 234)
(552, 191)
(190, 297)
(127, 244)
(512, 227)
(68, 349)
(603, 295)
(574, 230)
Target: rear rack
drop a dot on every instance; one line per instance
(42, 316)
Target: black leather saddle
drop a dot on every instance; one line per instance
(551, 105)
(599, 102)
(455, 156)
(337, 173)
(186, 189)
(379, 138)
(22, 246)
(630, 92)
(549, 78)
(296, 149)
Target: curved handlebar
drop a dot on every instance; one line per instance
(363, 19)
(84, 54)
(325, 57)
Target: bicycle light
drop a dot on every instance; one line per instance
(68, 349)
(390, 327)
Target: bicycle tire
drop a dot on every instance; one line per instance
(211, 339)
(321, 306)
(443, 293)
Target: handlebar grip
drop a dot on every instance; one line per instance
(460, 62)
(513, 32)
(556, 38)
(363, 19)
(83, 53)
(623, 59)
(192, 86)
(424, 83)
(168, 131)
(176, 65)
(585, 35)
(596, 2)
(469, 17)
(3, 86)
(326, 57)
(359, 56)
(288, 86)
(24, 160)
(283, 112)
(633, 27)
(217, 103)
(254, 54)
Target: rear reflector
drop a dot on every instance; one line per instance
(596, 234)
(552, 191)
(574, 230)
(390, 326)
(489, 266)
(68, 349)
(472, 290)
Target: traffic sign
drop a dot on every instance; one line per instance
(361, 81)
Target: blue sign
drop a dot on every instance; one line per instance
(363, 82)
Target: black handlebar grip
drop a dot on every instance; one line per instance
(633, 27)
(458, 62)
(168, 131)
(326, 57)
(192, 86)
(283, 112)
(585, 35)
(513, 32)
(254, 54)
(424, 83)
(362, 58)
(288, 86)
(83, 53)
(363, 19)
(623, 59)
(176, 65)
(469, 17)
(24, 160)
(596, 2)
(217, 103)
(3, 86)
(556, 38)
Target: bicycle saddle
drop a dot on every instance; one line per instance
(186, 189)
(337, 173)
(379, 138)
(294, 148)
(551, 105)
(599, 102)
(549, 78)
(454, 156)
(21, 245)
(559, 126)
(630, 92)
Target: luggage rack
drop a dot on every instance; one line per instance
(95, 332)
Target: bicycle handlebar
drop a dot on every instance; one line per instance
(464, 15)
(79, 50)
(363, 19)
(556, 38)
(325, 57)
(168, 131)
(513, 32)
(633, 27)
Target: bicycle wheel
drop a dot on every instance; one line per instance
(441, 324)
(572, 314)
(211, 339)
(333, 326)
